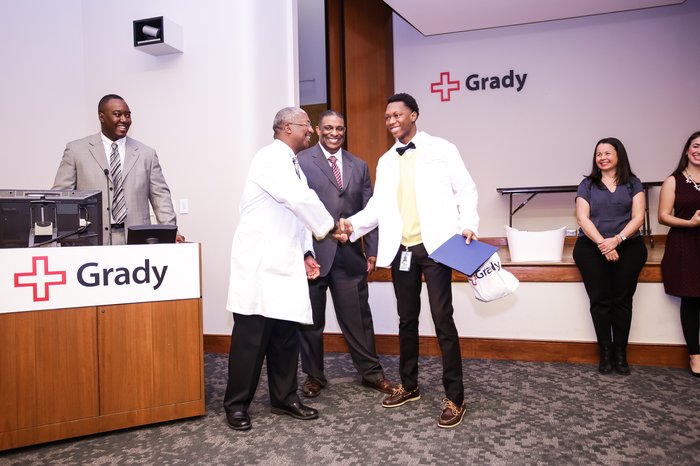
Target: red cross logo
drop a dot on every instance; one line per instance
(444, 86)
(40, 278)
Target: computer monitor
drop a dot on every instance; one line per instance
(151, 234)
(32, 218)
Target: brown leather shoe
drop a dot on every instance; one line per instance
(451, 415)
(311, 387)
(400, 397)
(381, 385)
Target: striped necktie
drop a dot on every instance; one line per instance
(115, 171)
(336, 171)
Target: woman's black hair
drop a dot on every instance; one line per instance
(623, 171)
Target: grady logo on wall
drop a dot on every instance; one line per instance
(476, 82)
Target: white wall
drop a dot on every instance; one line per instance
(206, 111)
(631, 75)
(536, 311)
(41, 89)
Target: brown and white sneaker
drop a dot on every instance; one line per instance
(451, 415)
(400, 397)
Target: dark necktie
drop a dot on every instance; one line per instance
(118, 202)
(295, 161)
(403, 149)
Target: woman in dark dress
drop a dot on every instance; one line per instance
(609, 251)
(679, 208)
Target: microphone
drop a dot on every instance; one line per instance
(109, 206)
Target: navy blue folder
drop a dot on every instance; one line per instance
(465, 258)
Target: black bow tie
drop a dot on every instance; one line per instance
(403, 149)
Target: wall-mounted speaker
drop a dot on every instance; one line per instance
(157, 36)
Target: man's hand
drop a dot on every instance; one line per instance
(342, 231)
(469, 235)
(371, 264)
(313, 270)
(179, 238)
(345, 226)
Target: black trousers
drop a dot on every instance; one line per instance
(253, 339)
(690, 321)
(350, 299)
(611, 286)
(407, 286)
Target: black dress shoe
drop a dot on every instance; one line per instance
(621, 365)
(238, 420)
(692, 372)
(296, 410)
(605, 365)
(311, 387)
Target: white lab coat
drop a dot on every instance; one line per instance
(278, 213)
(446, 198)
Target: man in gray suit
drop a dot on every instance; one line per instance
(342, 182)
(86, 165)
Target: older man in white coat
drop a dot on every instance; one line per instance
(268, 292)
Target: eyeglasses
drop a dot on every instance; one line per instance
(307, 124)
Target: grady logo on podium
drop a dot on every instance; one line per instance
(89, 274)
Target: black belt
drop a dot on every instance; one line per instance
(117, 226)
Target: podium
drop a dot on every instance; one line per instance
(117, 363)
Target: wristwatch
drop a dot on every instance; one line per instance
(622, 237)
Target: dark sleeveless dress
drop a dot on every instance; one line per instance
(681, 263)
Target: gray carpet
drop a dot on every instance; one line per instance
(517, 413)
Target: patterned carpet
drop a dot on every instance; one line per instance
(519, 413)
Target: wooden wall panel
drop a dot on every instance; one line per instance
(335, 55)
(361, 73)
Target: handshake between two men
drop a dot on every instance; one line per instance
(341, 232)
(343, 229)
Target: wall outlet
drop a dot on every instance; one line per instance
(184, 206)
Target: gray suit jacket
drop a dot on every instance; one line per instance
(357, 190)
(83, 167)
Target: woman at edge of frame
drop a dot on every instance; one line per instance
(679, 208)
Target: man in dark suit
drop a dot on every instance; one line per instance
(342, 182)
(86, 165)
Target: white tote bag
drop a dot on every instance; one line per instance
(491, 281)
